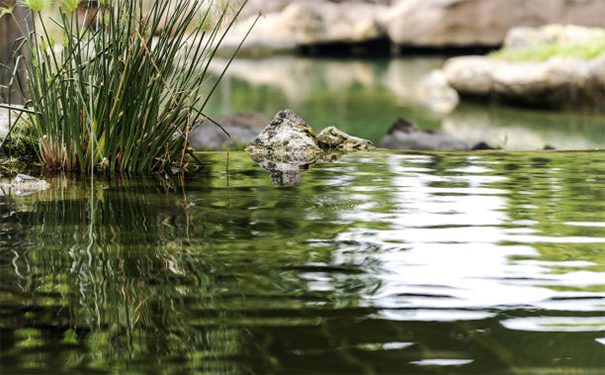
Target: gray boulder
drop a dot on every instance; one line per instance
(405, 135)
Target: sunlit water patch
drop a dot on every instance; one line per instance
(380, 262)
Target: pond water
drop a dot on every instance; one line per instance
(380, 262)
(365, 96)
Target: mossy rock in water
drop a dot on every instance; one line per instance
(290, 138)
(287, 137)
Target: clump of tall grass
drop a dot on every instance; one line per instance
(123, 91)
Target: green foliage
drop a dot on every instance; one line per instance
(124, 91)
(35, 5)
(542, 52)
(71, 5)
(6, 10)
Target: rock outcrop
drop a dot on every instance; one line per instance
(559, 82)
(288, 25)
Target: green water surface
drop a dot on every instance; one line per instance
(379, 263)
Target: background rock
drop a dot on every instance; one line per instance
(434, 92)
(405, 135)
(559, 82)
(242, 127)
(442, 23)
(288, 25)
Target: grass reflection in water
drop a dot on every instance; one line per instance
(379, 263)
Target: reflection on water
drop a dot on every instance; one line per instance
(364, 97)
(283, 173)
(380, 262)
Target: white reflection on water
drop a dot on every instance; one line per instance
(586, 224)
(442, 362)
(558, 324)
(395, 345)
(434, 315)
(455, 254)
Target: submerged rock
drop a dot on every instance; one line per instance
(405, 135)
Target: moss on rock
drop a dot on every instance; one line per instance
(21, 144)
